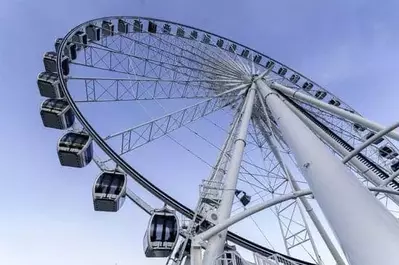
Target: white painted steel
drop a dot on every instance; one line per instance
(248, 212)
(368, 174)
(272, 142)
(325, 106)
(216, 243)
(316, 221)
(368, 232)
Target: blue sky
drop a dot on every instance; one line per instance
(351, 48)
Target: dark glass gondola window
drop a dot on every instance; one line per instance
(80, 141)
(163, 228)
(74, 140)
(119, 179)
(66, 140)
(106, 183)
(103, 183)
(170, 229)
(55, 105)
(115, 185)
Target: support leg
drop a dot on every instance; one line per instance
(216, 243)
(367, 232)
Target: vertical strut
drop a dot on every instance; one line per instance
(367, 232)
(216, 243)
(220, 167)
(211, 189)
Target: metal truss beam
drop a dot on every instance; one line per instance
(137, 136)
(101, 90)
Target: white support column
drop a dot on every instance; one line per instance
(322, 105)
(272, 142)
(295, 187)
(216, 243)
(369, 174)
(367, 232)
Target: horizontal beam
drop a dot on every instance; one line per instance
(139, 202)
(248, 212)
(199, 239)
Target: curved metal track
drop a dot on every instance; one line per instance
(140, 179)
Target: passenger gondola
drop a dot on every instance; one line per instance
(387, 152)
(50, 63)
(243, 197)
(194, 35)
(57, 44)
(307, 86)
(166, 29)
(180, 32)
(282, 71)
(220, 43)
(245, 53)
(56, 114)
(137, 26)
(334, 102)
(162, 234)
(269, 64)
(69, 50)
(109, 191)
(320, 94)
(294, 78)
(395, 166)
(49, 85)
(123, 26)
(152, 27)
(257, 58)
(80, 39)
(232, 48)
(93, 32)
(358, 127)
(107, 28)
(75, 149)
(206, 38)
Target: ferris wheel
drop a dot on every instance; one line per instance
(281, 145)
